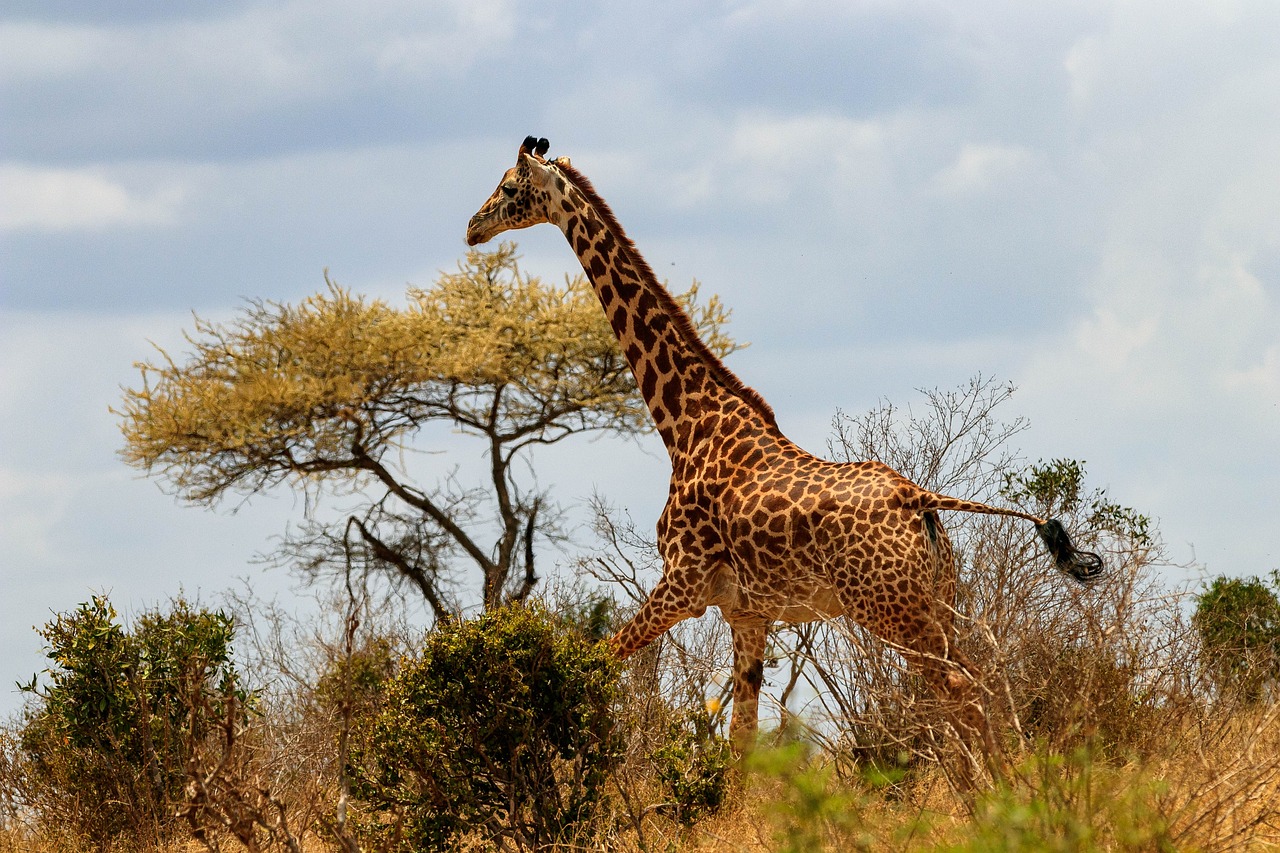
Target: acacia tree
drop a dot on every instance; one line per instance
(327, 395)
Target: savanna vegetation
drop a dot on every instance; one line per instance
(1130, 715)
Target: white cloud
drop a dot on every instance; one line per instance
(982, 168)
(1111, 343)
(33, 198)
(473, 28)
(1082, 66)
(1139, 58)
(32, 505)
(263, 54)
(770, 155)
(1177, 136)
(1259, 379)
(719, 163)
(1166, 337)
(770, 12)
(32, 51)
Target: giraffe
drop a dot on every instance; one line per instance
(753, 524)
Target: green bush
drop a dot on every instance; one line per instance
(102, 749)
(812, 811)
(1238, 621)
(502, 726)
(1068, 803)
(1057, 486)
(692, 763)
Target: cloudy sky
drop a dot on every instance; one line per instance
(1081, 198)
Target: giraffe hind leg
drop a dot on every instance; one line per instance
(954, 680)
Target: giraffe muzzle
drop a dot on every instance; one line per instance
(476, 232)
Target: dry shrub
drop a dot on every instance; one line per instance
(676, 767)
(277, 779)
(1059, 661)
(1221, 770)
(1105, 665)
(227, 795)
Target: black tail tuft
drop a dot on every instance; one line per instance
(1084, 566)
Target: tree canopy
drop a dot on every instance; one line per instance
(326, 393)
(1238, 621)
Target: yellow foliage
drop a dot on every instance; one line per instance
(319, 387)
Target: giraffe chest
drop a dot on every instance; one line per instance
(764, 549)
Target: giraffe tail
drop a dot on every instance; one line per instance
(1083, 566)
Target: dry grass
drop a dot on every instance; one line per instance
(1214, 786)
(1205, 778)
(1112, 738)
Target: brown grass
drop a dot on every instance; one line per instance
(1203, 778)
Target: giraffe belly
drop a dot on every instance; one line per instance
(802, 599)
(821, 602)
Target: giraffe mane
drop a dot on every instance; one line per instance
(683, 324)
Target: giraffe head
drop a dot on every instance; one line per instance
(522, 198)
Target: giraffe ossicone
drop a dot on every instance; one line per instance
(753, 524)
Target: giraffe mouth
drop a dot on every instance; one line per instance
(476, 231)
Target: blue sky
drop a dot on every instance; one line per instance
(1081, 198)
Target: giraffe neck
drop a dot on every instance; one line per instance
(680, 379)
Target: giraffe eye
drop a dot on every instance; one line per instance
(509, 190)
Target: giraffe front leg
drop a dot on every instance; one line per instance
(663, 608)
(748, 674)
